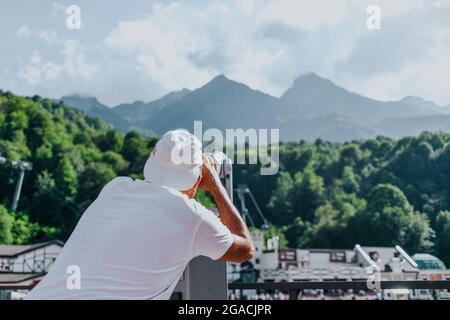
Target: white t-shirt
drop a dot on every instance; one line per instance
(133, 242)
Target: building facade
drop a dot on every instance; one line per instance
(23, 266)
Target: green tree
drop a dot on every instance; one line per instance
(136, 151)
(390, 220)
(111, 140)
(442, 248)
(274, 231)
(92, 180)
(349, 182)
(298, 233)
(308, 194)
(66, 178)
(116, 161)
(280, 207)
(6, 222)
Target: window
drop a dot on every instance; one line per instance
(430, 264)
(337, 256)
(375, 256)
(287, 255)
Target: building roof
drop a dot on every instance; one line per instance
(11, 251)
(11, 277)
(19, 280)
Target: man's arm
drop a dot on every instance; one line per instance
(242, 248)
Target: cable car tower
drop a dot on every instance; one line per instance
(241, 191)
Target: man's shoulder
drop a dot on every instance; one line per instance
(198, 209)
(117, 181)
(121, 179)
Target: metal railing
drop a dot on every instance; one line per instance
(293, 288)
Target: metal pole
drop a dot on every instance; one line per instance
(18, 189)
(293, 294)
(258, 209)
(241, 194)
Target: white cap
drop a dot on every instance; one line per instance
(176, 161)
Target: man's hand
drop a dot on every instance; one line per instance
(242, 248)
(210, 179)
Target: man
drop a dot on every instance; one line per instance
(136, 238)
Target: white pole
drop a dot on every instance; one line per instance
(18, 189)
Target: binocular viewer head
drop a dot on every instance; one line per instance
(224, 163)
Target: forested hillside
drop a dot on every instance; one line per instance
(378, 192)
(73, 156)
(375, 192)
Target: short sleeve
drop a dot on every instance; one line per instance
(213, 238)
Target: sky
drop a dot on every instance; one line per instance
(142, 49)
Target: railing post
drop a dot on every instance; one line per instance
(293, 294)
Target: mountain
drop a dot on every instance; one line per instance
(312, 95)
(221, 103)
(412, 126)
(331, 127)
(313, 107)
(92, 107)
(139, 111)
(425, 105)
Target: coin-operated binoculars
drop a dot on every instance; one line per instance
(204, 278)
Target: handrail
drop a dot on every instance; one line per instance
(294, 287)
(345, 285)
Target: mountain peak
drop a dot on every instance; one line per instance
(310, 77)
(419, 102)
(310, 85)
(221, 78)
(82, 98)
(413, 99)
(79, 95)
(220, 82)
(82, 101)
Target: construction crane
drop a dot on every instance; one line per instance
(241, 191)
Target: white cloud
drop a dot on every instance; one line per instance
(39, 72)
(427, 78)
(58, 9)
(263, 43)
(171, 52)
(399, 7)
(46, 35)
(305, 13)
(24, 32)
(181, 45)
